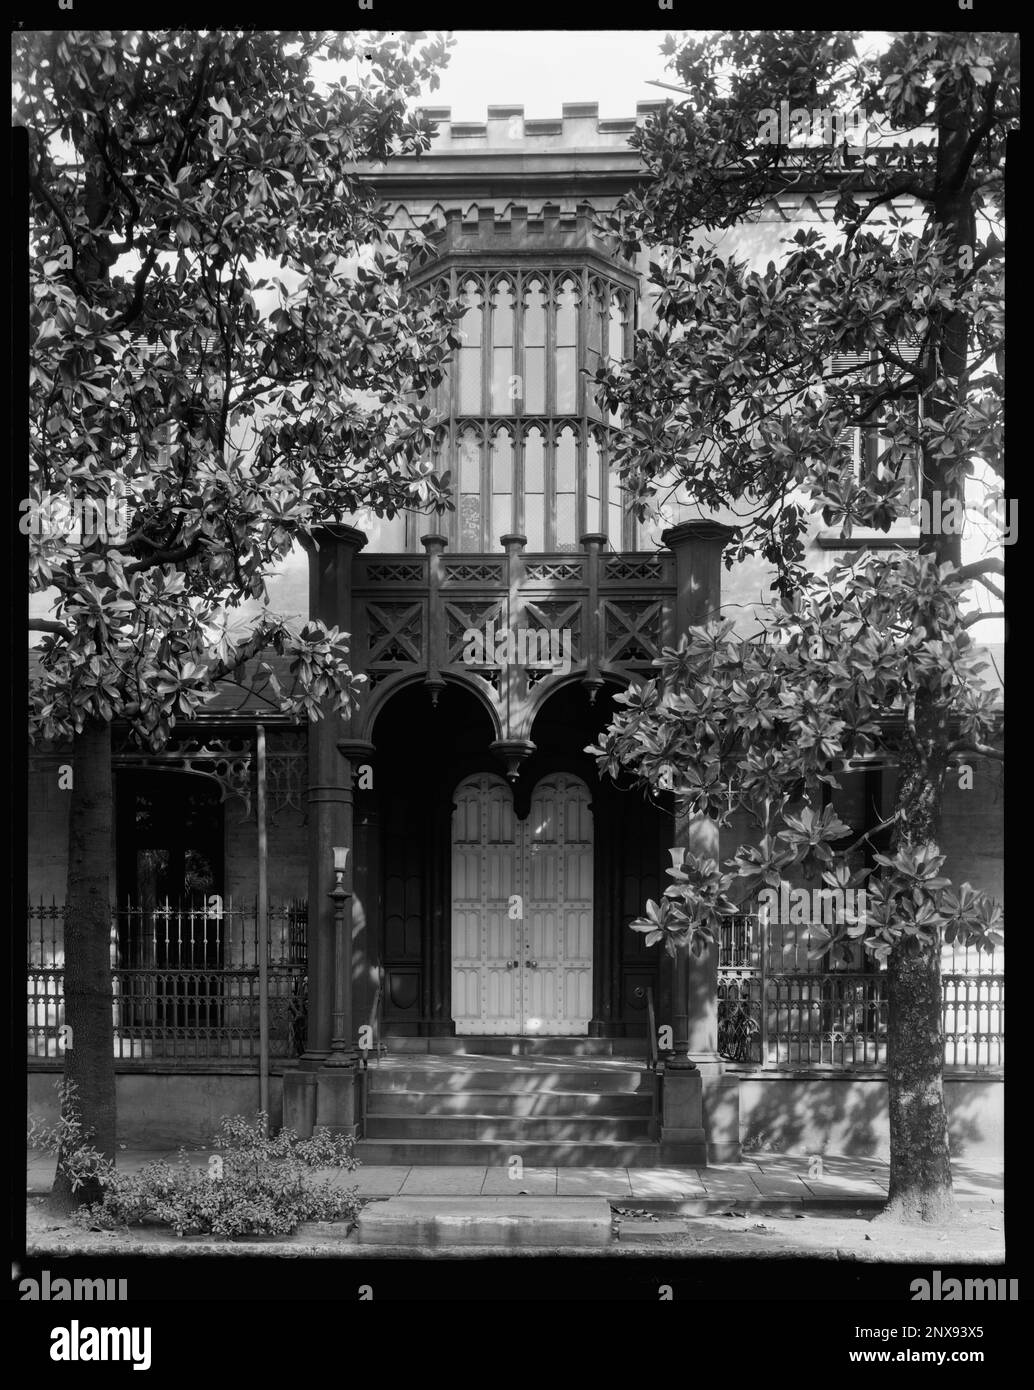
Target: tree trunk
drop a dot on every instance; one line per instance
(920, 1169)
(89, 1053)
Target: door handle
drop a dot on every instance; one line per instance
(532, 963)
(510, 964)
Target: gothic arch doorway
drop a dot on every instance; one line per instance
(522, 908)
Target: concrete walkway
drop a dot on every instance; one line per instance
(761, 1182)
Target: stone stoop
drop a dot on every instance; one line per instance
(547, 1112)
(497, 1221)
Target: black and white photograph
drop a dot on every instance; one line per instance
(513, 804)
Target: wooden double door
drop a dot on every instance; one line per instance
(522, 909)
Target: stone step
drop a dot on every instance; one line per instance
(509, 1103)
(526, 1080)
(579, 1129)
(487, 1153)
(504, 1221)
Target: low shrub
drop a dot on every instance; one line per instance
(255, 1184)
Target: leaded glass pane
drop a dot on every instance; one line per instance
(614, 509)
(566, 521)
(592, 483)
(566, 460)
(534, 380)
(469, 363)
(534, 314)
(502, 487)
(534, 470)
(566, 495)
(567, 315)
(470, 463)
(534, 491)
(505, 383)
(502, 315)
(566, 380)
(535, 521)
(470, 522)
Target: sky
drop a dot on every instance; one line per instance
(543, 68)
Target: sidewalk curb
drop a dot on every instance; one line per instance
(350, 1250)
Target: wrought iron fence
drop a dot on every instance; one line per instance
(777, 1007)
(185, 981)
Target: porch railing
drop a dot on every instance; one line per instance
(185, 981)
(777, 1007)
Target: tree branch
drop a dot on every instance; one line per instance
(978, 568)
(165, 557)
(975, 618)
(993, 588)
(50, 625)
(45, 196)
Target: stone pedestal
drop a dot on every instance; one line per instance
(683, 1139)
(721, 1113)
(300, 1101)
(322, 1095)
(337, 1103)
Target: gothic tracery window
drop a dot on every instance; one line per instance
(526, 446)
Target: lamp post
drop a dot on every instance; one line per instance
(681, 1061)
(342, 1052)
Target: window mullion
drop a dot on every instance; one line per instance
(551, 282)
(518, 479)
(581, 344)
(518, 350)
(549, 490)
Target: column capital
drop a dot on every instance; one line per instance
(593, 540)
(356, 748)
(513, 542)
(698, 529)
(339, 534)
(434, 543)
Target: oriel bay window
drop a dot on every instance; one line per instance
(526, 445)
(547, 480)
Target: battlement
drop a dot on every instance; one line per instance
(507, 128)
(520, 230)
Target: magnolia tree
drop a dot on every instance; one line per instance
(743, 397)
(224, 355)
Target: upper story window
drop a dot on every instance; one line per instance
(526, 444)
(873, 453)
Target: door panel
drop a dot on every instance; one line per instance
(485, 983)
(559, 907)
(530, 974)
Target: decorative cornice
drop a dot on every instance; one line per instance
(701, 529)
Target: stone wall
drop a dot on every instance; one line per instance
(162, 1110)
(844, 1113)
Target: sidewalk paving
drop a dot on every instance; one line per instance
(761, 1182)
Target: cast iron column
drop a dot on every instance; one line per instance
(307, 1101)
(700, 1112)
